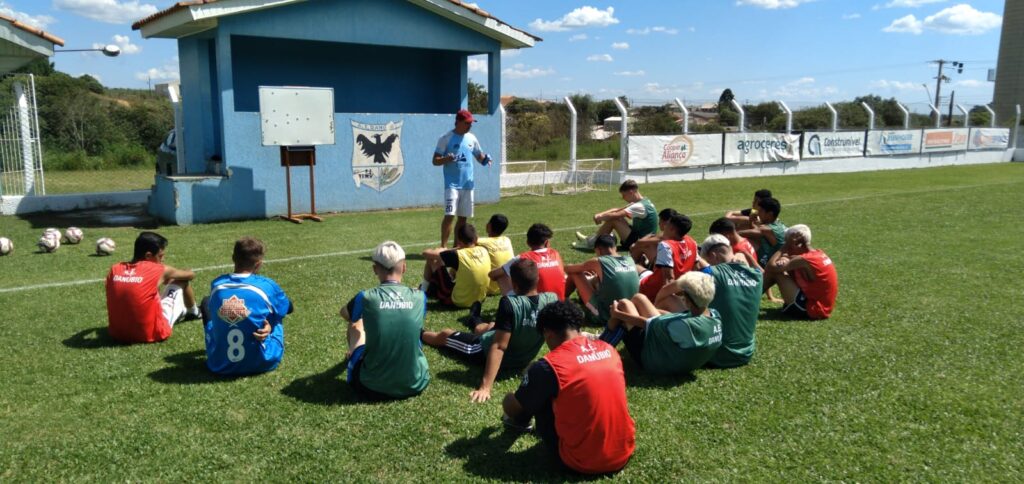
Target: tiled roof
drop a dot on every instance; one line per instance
(189, 3)
(33, 30)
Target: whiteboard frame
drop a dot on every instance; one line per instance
(296, 116)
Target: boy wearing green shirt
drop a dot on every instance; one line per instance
(511, 341)
(641, 215)
(603, 280)
(385, 358)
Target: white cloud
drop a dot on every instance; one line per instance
(803, 81)
(959, 19)
(477, 65)
(639, 73)
(578, 37)
(520, 71)
(585, 16)
(772, 4)
(655, 88)
(908, 3)
(600, 58)
(620, 45)
(167, 72)
(658, 29)
(124, 43)
(905, 25)
(971, 83)
(851, 16)
(109, 11)
(804, 88)
(894, 85)
(41, 21)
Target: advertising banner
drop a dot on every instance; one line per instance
(989, 139)
(760, 147)
(828, 144)
(894, 142)
(944, 139)
(647, 152)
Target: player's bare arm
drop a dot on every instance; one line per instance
(443, 159)
(494, 356)
(591, 266)
(172, 274)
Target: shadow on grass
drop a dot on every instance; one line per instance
(470, 377)
(327, 388)
(92, 338)
(488, 456)
(638, 378)
(188, 368)
(94, 218)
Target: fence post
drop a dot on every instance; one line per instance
(623, 136)
(743, 116)
(835, 116)
(967, 117)
(906, 116)
(25, 139)
(789, 116)
(1016, 129)
(871, 115)
(504, 138)
(572, 135)
(686, 116)
(938, 115)
(991, 114)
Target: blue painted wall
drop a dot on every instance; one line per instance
(388, 58)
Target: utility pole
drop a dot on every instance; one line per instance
(938, 82)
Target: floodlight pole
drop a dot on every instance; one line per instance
(938, 115)
(572, 134)
(967, 117)
(992, 116)
(789, 116)
(623, 135)
(871, 115)
(906, 115)
(835, 116)
(686, 116)
(743, 115)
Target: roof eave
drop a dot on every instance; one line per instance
(510, 37)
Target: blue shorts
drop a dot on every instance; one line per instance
(798, 308)
(355, 364)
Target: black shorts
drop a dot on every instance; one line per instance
(634, 342)
(468, 346)
(441, 286)
(629, 240)
(355, 364)
(798, 308)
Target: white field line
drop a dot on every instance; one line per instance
(561, 229)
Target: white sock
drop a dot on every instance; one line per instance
(425, 285)
(194, 310)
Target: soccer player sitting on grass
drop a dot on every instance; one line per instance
(499, 247)
(138, 311)
(737, 300)
(470, 263)
(767, 231)
(674, 256)
(648, 243)
(742, 218)
(243, 316)
(740, 246)
(806, 276)
(667, 343)
(385, 356)
(632, 222)
(512, 341)
(577, 392)
(603, 280)
(551, 272)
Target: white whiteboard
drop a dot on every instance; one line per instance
(296, 116)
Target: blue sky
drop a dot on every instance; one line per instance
(800, 51)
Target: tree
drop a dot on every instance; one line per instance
(478, 98)
(727, 116)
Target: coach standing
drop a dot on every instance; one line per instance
(455, 151)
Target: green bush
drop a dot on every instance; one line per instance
(128, 154)
(70, 160)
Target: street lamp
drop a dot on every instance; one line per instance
(110, 50)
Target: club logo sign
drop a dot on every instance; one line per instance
(377, 154)
(814, 145)
(233, 310)
(678, 151)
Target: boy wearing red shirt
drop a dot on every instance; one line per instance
(577, 393)
(676, 255)
(137, 310)
(806, 276)
(550, 269)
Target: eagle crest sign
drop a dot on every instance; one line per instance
(377, 154)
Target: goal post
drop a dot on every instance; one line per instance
(591, 174)
(524, 178)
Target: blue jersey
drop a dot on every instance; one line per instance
(458, 174)
(238, 306)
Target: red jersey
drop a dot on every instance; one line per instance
(684, 256)
(134, 314)
(821, 292)
(745, 247)
(595, 432)
(550, 271)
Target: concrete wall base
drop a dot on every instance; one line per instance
(76, 201)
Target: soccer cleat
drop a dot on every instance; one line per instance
(513, 425)
(580, 236)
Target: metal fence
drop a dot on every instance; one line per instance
(21, 154)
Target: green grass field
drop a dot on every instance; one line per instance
(917, 376)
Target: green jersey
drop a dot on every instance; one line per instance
(392, 316)
(766, 249)
(738, 301)
(518, 316)
(619, 280)
(679, 342)
(648, 224)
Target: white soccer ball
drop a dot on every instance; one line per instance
(52, 232)
(73, 235)
(105, 246)
(49, 242)
(6, 246)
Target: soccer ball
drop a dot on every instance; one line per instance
(105, 246)
(73, 235)
(49, 243)
(6, 246)
(52, 232)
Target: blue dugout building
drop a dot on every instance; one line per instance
(397, 67)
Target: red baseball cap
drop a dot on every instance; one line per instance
(464, 115)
